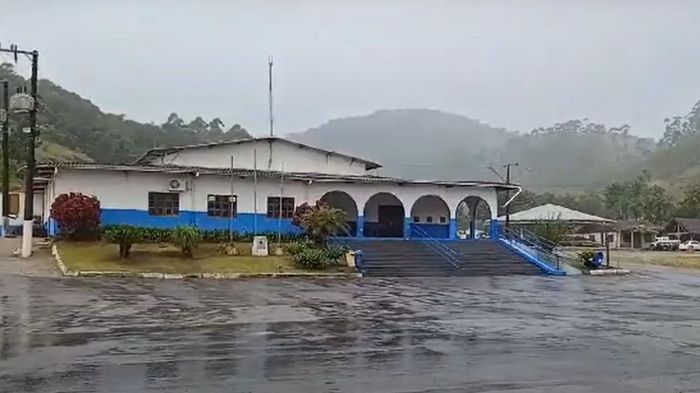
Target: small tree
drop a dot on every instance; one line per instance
(186, 238)
(320, 221)
(125, 236)
(555, 230)
(77, 215)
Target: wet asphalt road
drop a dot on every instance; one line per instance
(638, 333)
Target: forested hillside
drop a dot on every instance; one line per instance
(414, 143)
(73, 128)
(572, 156)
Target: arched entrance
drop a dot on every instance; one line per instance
(383, 216)
(343, 201)
(430, 216)
(473, 217)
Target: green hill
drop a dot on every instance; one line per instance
(73, 128)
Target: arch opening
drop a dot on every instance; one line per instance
(343, 201)
(473, 218)
(430, 217)
(383, 216)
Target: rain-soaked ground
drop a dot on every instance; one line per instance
(639, 333)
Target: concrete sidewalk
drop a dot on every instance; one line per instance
(41, 264)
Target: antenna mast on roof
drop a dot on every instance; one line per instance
(269, 68)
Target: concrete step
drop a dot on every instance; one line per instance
(415, 258)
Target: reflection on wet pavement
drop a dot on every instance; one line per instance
(638, 333)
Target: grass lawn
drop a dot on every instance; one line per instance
(663, 258)
(160, 258)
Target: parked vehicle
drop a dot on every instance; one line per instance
(690, 245)
(665, 243)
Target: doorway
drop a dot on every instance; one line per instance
(390, 220)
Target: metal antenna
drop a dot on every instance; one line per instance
(269, 65)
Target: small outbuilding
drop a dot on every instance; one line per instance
(684, 228)
(583, 226)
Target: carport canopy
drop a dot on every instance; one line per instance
(552, 212)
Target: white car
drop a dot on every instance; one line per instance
(690, 245)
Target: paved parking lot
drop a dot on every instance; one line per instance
(498, 334)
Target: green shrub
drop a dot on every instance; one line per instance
(296, 247)
(186, 238)
(218, 235)
(311, 258)
(335, 253)
(158, 235)
(125, 236)
(309, 255)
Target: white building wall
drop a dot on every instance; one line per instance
(118, 190)
(245, 192)
(127, 192)
(293, 157)
(430, 207)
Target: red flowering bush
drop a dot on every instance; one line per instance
(300, 212)
(320, 221)
(77, 215)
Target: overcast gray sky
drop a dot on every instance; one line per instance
(517, 64)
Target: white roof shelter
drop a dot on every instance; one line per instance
(551, 212)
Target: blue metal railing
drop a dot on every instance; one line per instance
(448, 254)
(542, 249)
(341, 241)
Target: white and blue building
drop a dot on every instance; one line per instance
(196, 185)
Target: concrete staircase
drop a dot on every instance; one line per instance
(414, 258)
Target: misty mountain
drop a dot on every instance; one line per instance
(420, 143)
(413, 143)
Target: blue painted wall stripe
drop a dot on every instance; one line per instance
(243, 222)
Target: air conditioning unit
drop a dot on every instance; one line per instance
(177, 185)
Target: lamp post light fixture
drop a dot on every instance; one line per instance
(21, 103)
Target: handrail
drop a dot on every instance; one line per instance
(445, 252)
(340, 240)
(545, 249)
(422, 233)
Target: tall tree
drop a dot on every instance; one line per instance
(237, 132)
(198, 125)
(173, 124)
(690, 205)
(679, 127)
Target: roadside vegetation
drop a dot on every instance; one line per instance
(85, 245)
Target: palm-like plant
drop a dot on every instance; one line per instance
(125, 236)
(186, 238)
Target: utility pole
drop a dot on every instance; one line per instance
(28, 224)
(508, 166)
(5, 157)
(231, 202)
(269, 69)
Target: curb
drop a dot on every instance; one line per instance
(59, 262)
(176, 276)
(609, 272)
